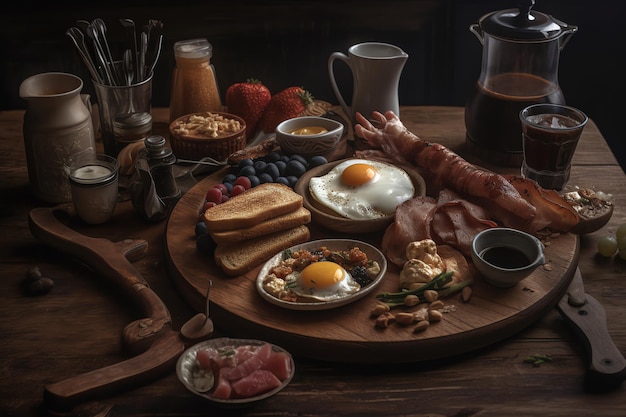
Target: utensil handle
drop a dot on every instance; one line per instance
(606, 364)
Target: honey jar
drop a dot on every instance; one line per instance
(194, 85)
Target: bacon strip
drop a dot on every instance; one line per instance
(442, 168)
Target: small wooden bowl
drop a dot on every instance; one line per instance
(196, 147)
(592, 224)
(333, 221)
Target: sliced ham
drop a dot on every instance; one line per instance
(258, 382)
(223, 389)
(279, 363)
(456, 221)
(552, 210)
(411, 223)
(249, 365)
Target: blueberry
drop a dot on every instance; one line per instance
(265, 177)
(272, 157)
(299, 158)
(282, 180)
(260, 166)
(229, 186)
(317, 161)
(247, 170)
(284, 158)
(272, 169)
(229, 178)
(292, 180)
(254, 180)
(201, 229)
(282, 167)
(295, 168)
(205, 244)
(246, 162)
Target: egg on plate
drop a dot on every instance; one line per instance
(322, 281)
(362, 189)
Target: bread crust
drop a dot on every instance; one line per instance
(238, 258)
(252, 207)
(276, 224)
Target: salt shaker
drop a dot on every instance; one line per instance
(194, 85)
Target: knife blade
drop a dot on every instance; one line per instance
(606, 366)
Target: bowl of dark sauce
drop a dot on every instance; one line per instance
(505, 256)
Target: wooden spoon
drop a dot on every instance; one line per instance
(199, 326)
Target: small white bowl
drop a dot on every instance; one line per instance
(506, 256)
(187, 365)
(311, 144)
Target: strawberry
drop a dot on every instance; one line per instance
(289, 103)
(248, 100)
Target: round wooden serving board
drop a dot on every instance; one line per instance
(348, 334)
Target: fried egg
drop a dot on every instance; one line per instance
(322, 281)
(361, 189)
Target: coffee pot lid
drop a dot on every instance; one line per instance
(522, 23)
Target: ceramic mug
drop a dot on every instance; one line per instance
(376, 68)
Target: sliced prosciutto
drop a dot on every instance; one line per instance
(411, 223)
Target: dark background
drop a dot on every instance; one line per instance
(286, 43)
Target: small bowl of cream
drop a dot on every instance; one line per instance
(309, 135)
(505, 256)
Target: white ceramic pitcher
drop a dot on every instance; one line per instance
(376, 68)
(57, 125)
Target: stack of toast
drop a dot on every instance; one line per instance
(253, 226)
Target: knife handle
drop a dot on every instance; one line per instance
(606, 364)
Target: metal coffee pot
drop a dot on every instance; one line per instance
(520, 61)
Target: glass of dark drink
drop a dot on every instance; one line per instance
(550, 133)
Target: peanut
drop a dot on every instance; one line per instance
(411, 300)
(436, 305)
(434, 316)
(404, 319)
(421, 326)
(383, 321)
(378, 309)
(431, 295)
(466, 294)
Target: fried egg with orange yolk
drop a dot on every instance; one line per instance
(322, 281)
(362, 189)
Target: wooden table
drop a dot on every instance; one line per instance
(76, 327)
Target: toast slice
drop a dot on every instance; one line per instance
(276, 224)
(238, 258)
(252, 207)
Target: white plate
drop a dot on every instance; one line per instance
(187, 363)
(334, 245)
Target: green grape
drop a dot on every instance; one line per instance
(622, 254)
(621, 244)
(607, 246)
(621, 231)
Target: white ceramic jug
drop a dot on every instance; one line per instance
(376, 68)
(57, 125)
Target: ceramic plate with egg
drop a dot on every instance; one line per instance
(357, 195)
(322, 285)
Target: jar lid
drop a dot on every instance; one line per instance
(193, 48)
(522, 24)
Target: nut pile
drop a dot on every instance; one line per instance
(211, 125)
(427, 313)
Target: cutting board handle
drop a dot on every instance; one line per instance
(111, 261)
